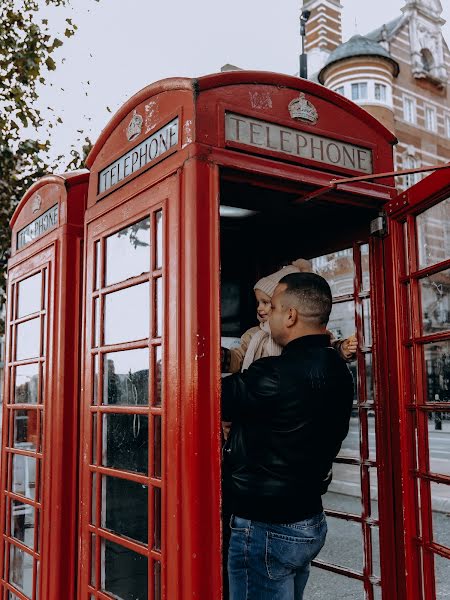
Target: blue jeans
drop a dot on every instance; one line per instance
(267, 561)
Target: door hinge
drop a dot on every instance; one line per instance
(378, 226)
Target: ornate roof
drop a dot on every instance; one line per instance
(358, 45)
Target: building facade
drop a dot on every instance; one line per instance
(399, 73)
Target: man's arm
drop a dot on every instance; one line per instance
(251, 392)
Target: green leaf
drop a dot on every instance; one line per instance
(51, 65)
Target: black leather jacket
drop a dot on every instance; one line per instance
(290, 414)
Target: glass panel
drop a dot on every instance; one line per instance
(157, 446)
(157, 575)
(433, 230)
(96, 322)
(344, 588)
(124, 572)
(21, 570)
(12, 596)
(94, 499)
(441, 570)
(440, 503)
(407, 310)
(94, 439)
(342, 319)
(126, 377)
(365, 265)
(372, 435)
(93, 560)
(125, 508)
(29, 300)
(22, 522)
(369, 377)
(38, 536)
(367, 322)
(44, 294)
(38, 565)
(25, 429)
(435, 294)
(376, 570)
(28, 340)
(159, 239)
(26, 384)
(344, 545)
(125, 442)
(157, 517)
(159, 307)
(97, 266)
(95, 381)
(437, 365)
(157, 375)
(350, 446)
(338, 269)
(438, 445)
(344, 493)
(341, 502)
(373, 478)
(41, 430)
(127, 314)
(128, 252)
(24, 475)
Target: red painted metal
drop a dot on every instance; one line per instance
(56, 253)
(186, 184)
(411, 453)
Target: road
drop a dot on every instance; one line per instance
(346, 478)
(344, 547)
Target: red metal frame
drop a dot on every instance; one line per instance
(57, 253)
(408, 369)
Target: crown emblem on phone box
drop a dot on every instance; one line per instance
(302, 109)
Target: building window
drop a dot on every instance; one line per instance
(340, 90)
(409, 109)
(447, 125)
(410, 162)
(430, 118)
(380, 92)
(359, 91)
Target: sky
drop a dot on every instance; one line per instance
(123, 45)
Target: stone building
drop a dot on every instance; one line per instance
(399, 72)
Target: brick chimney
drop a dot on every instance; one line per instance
(323, 31)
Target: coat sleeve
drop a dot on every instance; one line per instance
(233, 358)
(250, 394)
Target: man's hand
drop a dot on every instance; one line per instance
(349, 347)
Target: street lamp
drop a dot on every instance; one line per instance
(304, 16)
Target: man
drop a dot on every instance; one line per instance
(290, 414)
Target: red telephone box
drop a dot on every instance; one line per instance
(169, 168)
(40, 413)
(196, 189)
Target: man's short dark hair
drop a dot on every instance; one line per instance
(310, 295)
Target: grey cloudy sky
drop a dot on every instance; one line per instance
(123, 45)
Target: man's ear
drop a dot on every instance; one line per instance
(292, 317)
